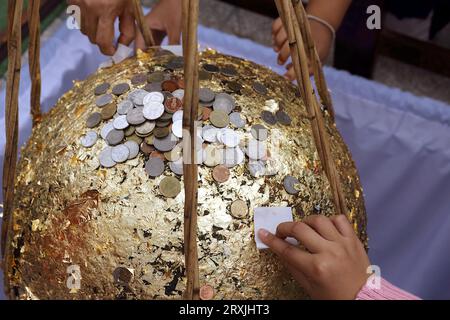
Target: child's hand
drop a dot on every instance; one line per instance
(334, 262)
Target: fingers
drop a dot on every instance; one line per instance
(290, 74)
(303, 233)
(276, 25)
(139, 42)
(288, 253)
(174, 34)
(343, 225)
(323, 226)
(127, 29)
(91, 27)
(284, 53)
(280, 38)
(105, 38)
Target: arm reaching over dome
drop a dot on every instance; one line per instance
(334, 263)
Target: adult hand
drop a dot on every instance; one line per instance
(97, 22)
(164, 19)
(333, 264)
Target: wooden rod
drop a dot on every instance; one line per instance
(34, 59)
(11, 115)
(313, 57)
(320, 135)
(189, 149)
(145, 30)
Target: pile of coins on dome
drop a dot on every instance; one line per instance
(147, 119)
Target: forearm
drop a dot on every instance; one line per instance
(331, 11)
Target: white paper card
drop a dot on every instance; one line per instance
(269, 218)
(122, 53)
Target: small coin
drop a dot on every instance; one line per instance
(161, 132)
(137, 97)
(165, 144)
(179, 94)
(230, 138)
(129, 131)
(170, 187)
(135, 116)
(106, 129)
(149, 139)
(146, 149)
(259, 132)
(122, 276)
(206, 292)
(221, 173)
(237, 120)
(157, 154)
(89, 139)
(228, 71)
(124, 106)
(268, 117)
(211, 68)
(108, 111)
(146, 128)
(259, 88)
(133, 149)
(209, 133)
(120, 153)
(153, 87)
(166, 116)
(206, 95)
(157, 76)
(154, 167)
(256, 168)
(174, 154)
(93, 120)
(177, 167)
(283, 118)
(234, 86)
(172, 105)
(233, 157)
(162, 123)
(224, 102)
(101, 88)
(105, 158)
(115, 137)
(153, 110)
(219, 119)
(120, 89)
(177, 116)
(239, 209)
(291, 184)
(139, 79)
(169, 85)
(135, 138)
(256, 150)
(181, 83)
(177, 128)
(103, 100)
(212, 156)
(153, 96)
(121, 123)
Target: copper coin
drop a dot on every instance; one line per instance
(135, 138)
(172, 105)
(154, 86)
(206, 113)
(108, 111)
(234, 86)
(169, 85)
(221, 173)
(206, 292)
(146, 149)
(181, 83)
(161, 132)
(162, 123)
(157, 154)
(157, 76)
(259, 88)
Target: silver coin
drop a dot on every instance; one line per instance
(209, 133)
(153, 96)
(165, 144)
(233, 157)
(179, 93)
(290, 184)
(89, 139)
(237, 120)
(129, 131)
(93, 120)
(259, 132)
(212, 156)
(146, 128)
(153, 110)
(124, 106)
(105, 158)
(230, 138)
(177, 167)
(120, 153)
(135, 116)
(177, 116)
(101, 88)
(115, 137)
(256, 150)
(133, 148)
(177, 128)
(137, 97)
(107, 128)
(121, 122)
(206, 95)
(256, 168)
(103, 100)
(224, 103)
(154, 167)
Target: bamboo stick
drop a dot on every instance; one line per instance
(34, 59)
(297, 47)
(313, 57)
(145, 30)
(189, 165)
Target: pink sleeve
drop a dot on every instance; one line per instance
(387, 291)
